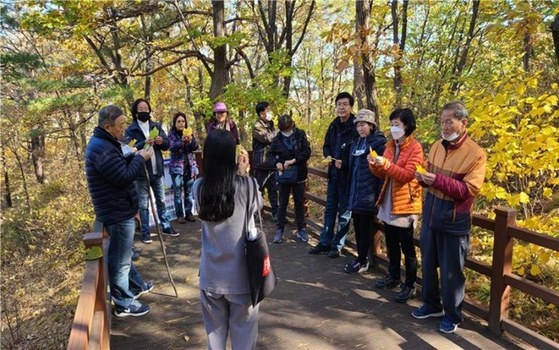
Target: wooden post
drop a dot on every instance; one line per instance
(502, 264)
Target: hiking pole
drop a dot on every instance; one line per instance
(154, 213)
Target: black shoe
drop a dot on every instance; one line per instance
(137, 249)
(319, 249)
(387, 282)
(135, 255)
(407, 293)
(334, 253)
(171, 232)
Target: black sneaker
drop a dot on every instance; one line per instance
(135, 255)
(334, 253)
(170, 232)
(356, 267)
(387, 282)
(407, 293)
(135, 309)
(319, 249)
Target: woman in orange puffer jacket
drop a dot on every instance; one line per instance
(400, 200)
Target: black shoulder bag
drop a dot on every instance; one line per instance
(260, 272)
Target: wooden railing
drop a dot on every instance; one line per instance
(91, 327)
(500, 271)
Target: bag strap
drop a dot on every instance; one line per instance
(255, 200)
(248, 182)
(245, 226)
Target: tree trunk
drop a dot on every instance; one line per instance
(555, 32)
(464, 53)
(38, 153)
(527, 51)
(399, 46)
(363, 14)
(220, 75)
(358, 85)
(7, 189)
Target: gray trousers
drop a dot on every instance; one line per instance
(449, 252)
(229, 314)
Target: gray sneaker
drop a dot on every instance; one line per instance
(278, 237)
(302, 235)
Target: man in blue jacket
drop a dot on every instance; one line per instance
(110, 179)
(139, 130)
(340, 135)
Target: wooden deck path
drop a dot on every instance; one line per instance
(315, 305)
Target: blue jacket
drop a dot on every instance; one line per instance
(336, 145)
(364, 187)
(300, 151)
(134, 132)
(110, 178)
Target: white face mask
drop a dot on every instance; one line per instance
(397, 132)
(451, 138)
(269, 116)
(288, 133)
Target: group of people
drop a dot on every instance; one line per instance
(369, 178)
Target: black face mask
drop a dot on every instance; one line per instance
(143, 116)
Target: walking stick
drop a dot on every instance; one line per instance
(154, 213)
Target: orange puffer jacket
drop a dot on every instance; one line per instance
(406, 191)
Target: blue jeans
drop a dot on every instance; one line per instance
(156, 183)
(336, 204)
(124, 280)
(178, 181)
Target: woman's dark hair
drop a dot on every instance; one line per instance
(217, 196)
(406, 117)
(135, 107)
(285, 122)
(177, 115)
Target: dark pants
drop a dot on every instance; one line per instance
(299, 199)
(449, 252)
(336, 205)
(364, 226)
(271, 187)
(397, 237)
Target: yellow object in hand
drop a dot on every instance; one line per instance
(188, 131)
(421, 170)
(327, 160)
(372, 153)
(132, 143)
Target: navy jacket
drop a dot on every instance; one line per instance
(110, 178)
(279, 152)
(134, 132)
(337, 142)
(364, 187)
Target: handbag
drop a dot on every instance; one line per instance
(261, 275)
(287, 176)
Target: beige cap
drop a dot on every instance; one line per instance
(365, 115)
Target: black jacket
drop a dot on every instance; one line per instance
(300, 149)
(134, 132)
(337, 143)
(364, 187)
(110, 178)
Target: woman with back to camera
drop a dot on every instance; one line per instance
(400, 200)
(289, 148)
(182, 166)
(220, 197)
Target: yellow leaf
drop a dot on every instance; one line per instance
(530, 100)
(533, 83)
(132, 143)
(520, 271)
(93, 253)
(535, 270)
(372, 153)
(521, 89)
(500, 193)
(547, 192)
(551, 306)
(327, 160)
(524, 198)
(188, 131)
(544, 257)
(420, 169)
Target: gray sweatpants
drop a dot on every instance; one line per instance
(449, 252)
(229, 314)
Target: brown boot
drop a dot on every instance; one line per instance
(181, 220)
(190, 218)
